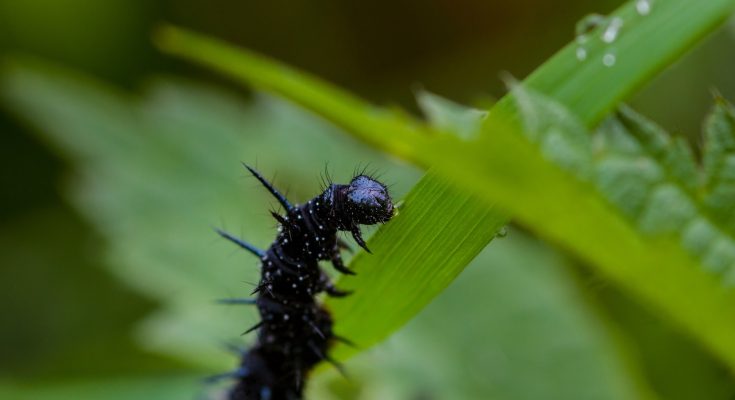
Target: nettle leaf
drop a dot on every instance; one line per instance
(649, 175)
(155, 173)
(654, 179)
(560, 135)
(445, 114)
(718, 162)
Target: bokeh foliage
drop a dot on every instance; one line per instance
(121, 194)
(555, 161)
(146, 178)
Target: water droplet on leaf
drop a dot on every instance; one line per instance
(643, 7)
(609, 59)
(581, 53)
(612, 30)
(589, 23)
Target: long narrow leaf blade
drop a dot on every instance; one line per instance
(646, 45)
(433, 241)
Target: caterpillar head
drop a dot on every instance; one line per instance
(367, 201)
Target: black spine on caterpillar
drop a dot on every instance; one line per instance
(295, 332)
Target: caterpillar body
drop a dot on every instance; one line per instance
(295, 331)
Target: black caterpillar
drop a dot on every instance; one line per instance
(295, 331)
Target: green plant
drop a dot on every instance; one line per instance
(648, 228)
(497, 165)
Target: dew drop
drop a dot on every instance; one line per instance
(643, 7)
(609, 59)
(581, 53)
(612, 30)
(589, 23)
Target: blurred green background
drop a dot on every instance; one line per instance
(522, 322)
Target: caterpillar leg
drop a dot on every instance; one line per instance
(339, 264)
(281, 198)
(245, 245)
(343, 245)
(334, 292)
(329, 359)
(357, 235)
(344, 340)
(330, 289)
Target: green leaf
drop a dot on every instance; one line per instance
(500, 166)
(514, 325)
(659, 181)
(154, 174)
(719, 163)
(560, 136)
(662, 191)
(402, 274)
(185, 124)
(560, 206)
(537, 178)
(386, 129)
(381, 292)
(444, 114)
(645, 45)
